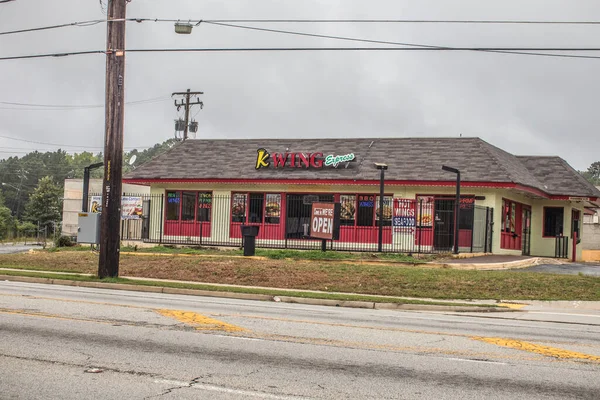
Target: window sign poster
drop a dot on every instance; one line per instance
(513, 214)
(131, 206)
(348, 203)
(95, 204)
(425, 205)
(273, 206)
(403, 220)
(204, 200)
(238, 207)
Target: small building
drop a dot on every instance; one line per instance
(73, 197)
(202, 191)
(591, 228)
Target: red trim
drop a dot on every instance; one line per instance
(493, 185)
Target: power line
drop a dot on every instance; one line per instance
(405, 21)
(44, 28)
(532, 51)
(312, 21)
(63, 145)
(72, 53)
(66, 107)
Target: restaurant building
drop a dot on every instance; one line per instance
(202, 191)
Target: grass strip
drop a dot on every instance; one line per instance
(273, 254)
(234, 289)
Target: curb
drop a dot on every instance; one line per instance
(259, 297)
(529, 262)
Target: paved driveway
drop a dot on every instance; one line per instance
(17, 248)
(570, 269)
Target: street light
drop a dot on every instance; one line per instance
(12, 186)
(183, 28)
(381, 167)
(456, 205)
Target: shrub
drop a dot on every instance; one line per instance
(64, 241)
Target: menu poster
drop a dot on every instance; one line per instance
(273, 206)
(424, 207)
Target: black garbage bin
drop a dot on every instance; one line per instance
(249, 233)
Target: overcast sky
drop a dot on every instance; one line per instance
(526, 105)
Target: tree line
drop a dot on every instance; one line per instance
(32, 186)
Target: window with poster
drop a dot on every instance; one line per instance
(387, 210)
(204, 207)
(348, 209)
(173, 206)
(256, 208)
(366, 207)
(509, 216)
(272, 208)
(238, 207)
(425, 211)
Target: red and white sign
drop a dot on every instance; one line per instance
(321, 221)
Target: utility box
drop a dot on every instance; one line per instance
(89, 228)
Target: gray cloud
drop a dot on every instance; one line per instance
(524, 104)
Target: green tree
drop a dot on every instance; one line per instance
(45, 204)
(6, 220)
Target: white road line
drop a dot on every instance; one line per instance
(560, 313)
(213, 388)
(240, 338)
(476, 361)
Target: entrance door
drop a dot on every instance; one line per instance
(526, 235)
(443, 230)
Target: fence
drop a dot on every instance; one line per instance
(408, 226)
(561, 247)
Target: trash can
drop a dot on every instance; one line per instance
(249, 233)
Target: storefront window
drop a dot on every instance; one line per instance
(553, 221)
(366, 206)
(272, 208)
(348, 209)
(204, 206)
(257, 201)
(238, 207)
(188, 206)
(173, 206)
(387, 211)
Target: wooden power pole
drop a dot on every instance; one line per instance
(185, 102)
(108, 264)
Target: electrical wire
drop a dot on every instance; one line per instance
(44, 28)
(60, 145)
(60, 107)
(371, 21)
(531, 51)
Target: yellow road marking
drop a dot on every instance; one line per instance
(513, 306)
(201, 322)
(53, 316)
(538, 349)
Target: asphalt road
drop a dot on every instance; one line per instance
(569, 269)
(59, 342)
(17, 248)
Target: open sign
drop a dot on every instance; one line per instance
(325, 221)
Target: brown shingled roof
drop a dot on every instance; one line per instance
(412, 159)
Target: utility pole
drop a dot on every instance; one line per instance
(110, 220)
(185, 102)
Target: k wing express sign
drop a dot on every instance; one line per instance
(325, 221)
